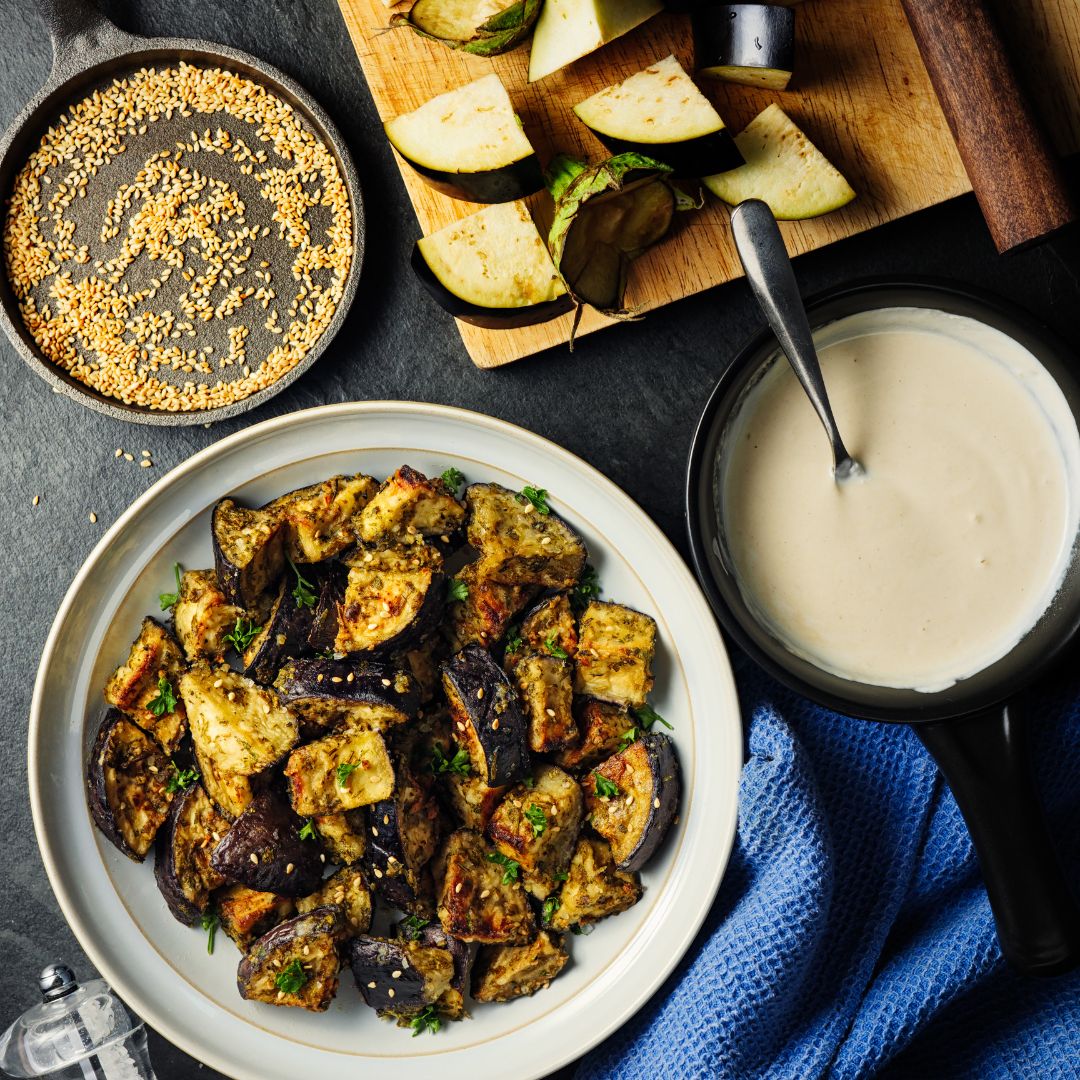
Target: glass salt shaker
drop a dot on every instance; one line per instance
(76, 1033)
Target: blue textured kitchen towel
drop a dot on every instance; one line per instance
(852, 936)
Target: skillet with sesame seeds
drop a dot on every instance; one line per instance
(482, 759)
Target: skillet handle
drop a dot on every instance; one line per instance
(77, 30)
(986, 762)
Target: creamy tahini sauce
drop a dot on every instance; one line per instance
(950, 549)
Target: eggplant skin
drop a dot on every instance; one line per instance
(284, 634)
(247, 914)
(486, 716)
(601, 727)
(648, 770)
(397, 976)
(263, 850)
(127, 777)
(715, 152)
(312, 941)
(452, 1003)
(347, 890)
(505, 972)
(182, 867)
(752, 44)
(513, 181)
(249, 553)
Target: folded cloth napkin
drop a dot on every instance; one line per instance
(852, 936)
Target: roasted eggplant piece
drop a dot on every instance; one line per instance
(296, 963)
(471, 800)
(137, 688)
(594, 887)
(283, 634)
(550, 626)
(398, 977)
(505, 972)
(409, 506)
(545, 685)
(127, 780)
(633, 797)
(203, 616)
(518, 545)
(328, 694)
(238, 728)
(346, 890)
(182, 866)
(343, 835)
(486, 717)
(480, 898)
(249, 553)
(537, 826)
(245, 915)
(483, 616)
(318, 519)
(615, 654)
(601, 730)
(422, 664)
(390, 599)
(339, 773)
(451, 1005)
(751, 44)
(479, 27)
(263, 850)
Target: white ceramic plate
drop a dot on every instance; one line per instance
(162, 968)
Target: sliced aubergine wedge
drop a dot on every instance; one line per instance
(399, 977)
(249, 554)
(182, 866)
(492, 270)
(751, 44)
(660, 112)
(469, 144)
(283, 633)
(480, 27)
(784, 169)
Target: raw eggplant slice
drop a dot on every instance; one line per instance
(491, 269)
(451, 1005)
(318, 518)
(136, 688)
(348, 891)
(505, 972)
(203, 616)
(283, 634)
(752, 44)
(398, 977)
(594, 887)
(246, 915)
(601, 729)
(570, 29)
(633, 797)
(182, 866)
(486, 717)
(249, 553)
(480, 27)
(339, 773)
(659, 111)
(343, 835)
(784, 169)
(408, 506)
(480, 898)
(545, 685)
(615, 654)
(296, 963)
(469, 144)
(263, 850)
(127, 777)
(482, 617)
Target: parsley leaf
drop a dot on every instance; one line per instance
(344, 771)
(536, 817)
(555, 650)
(647, 716)
(551, 905)
(307, 830)
(428, 1020)
(513, 639)
(180, 779)
(588, 588)
(210, 923)
(562, 876)
(412, 925)
(457, 589)
(168, 599)
(304, 591)
(165, 702)
(629, 736)
(459, 763)
(511, 868)
(538, 497)
(292, 979)
(242, 634)
(604, 788)
(453, 479)
(581, 931)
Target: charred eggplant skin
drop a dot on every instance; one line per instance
(249, 553)
(388, 972)
(263, 850)
(323, 692)
(177, 854)
(461, 952)
(486, 716)
(284, 634)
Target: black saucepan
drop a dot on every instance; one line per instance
(89, 52)
(973, 729)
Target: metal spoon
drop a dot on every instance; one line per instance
(768, 269)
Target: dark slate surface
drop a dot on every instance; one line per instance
(626, 401)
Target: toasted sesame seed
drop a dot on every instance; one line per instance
(37, 500)
(385, 682)
(495, 724)
(146, 464)
(378, 872)
(119, 452)
(146, 453)
(371, 985)
(485, 894)
(480, 692)
(656, 803)
(129, 457)
(335, 678)
(395, 974)
(457, 887)
(390, 992)
(254, 858)
(290, 868)
(93, 518)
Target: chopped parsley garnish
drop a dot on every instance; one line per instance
(588, 588)
(344, 771)
(412, 925)
(210, 923)
(551, 905)
(627, 737)
(453, 479)
(168, 599)
(304, 591)
(165, 702)
(513, 639)
(457, 589)
(180, 779)
(536, 817)
(555, 650)
(581, 931)
(292, 979)
(459, 763)
(647, 716)
(538, 497)
(529, 782)
(511, 868)
(428, 1020)
(561, 876)
(242, 634)
(605, 788)
(307, 830)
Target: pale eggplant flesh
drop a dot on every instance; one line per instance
(397, 976)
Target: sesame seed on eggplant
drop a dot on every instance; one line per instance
(347, 890)
(397, 976)
(452, 1002)
(249, 554)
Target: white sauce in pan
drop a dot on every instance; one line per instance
(936, 563)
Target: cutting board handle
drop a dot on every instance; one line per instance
(1012, 166)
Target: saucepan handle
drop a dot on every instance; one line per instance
(78, 32)
(986, 762)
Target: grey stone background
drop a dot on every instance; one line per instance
(627, 400)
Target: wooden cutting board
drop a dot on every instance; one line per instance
(860, 92)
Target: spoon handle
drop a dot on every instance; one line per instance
(768, 269)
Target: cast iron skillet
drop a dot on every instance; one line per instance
(89, 51)
(972, 729)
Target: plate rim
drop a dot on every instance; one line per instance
(722, 832)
